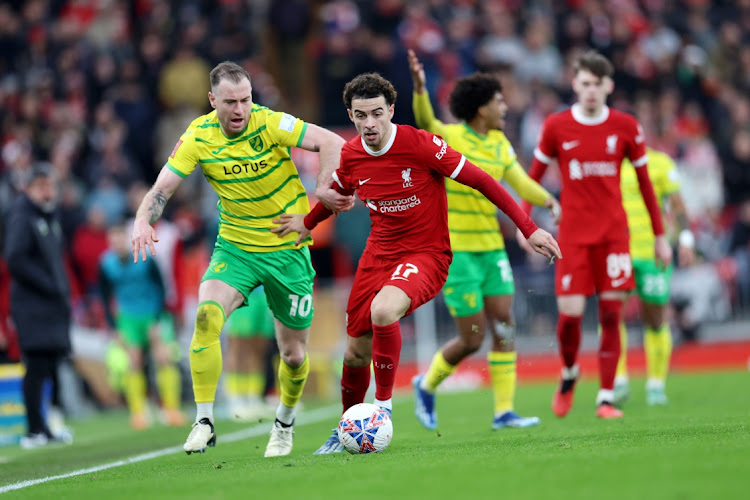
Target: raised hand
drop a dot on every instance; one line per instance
(417, 72)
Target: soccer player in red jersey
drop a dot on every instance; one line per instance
(398, 172)
(590, 141)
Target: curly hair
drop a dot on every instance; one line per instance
(595, 63)
(369, 86)
(471, 93)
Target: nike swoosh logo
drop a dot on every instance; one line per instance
(200, 349)
(618, 282)
(570, 145)
(296, 382)
(218, 150)
(362, 182)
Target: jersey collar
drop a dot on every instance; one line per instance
(387, 146)
(589, 120)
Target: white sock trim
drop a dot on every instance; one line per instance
(655, 383)
(205, 410)
(570, 373)
(424, 387)
(388, 403)
(285, 414)
(607, 395)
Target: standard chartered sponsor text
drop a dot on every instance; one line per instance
(398, 205)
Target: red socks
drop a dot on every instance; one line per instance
(386, 350)
(569, 337)
(609, 347)
(354, 385)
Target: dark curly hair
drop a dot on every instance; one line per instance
(369, 86)
(471, 93)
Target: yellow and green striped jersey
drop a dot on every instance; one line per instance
(472, 218)
(252, 173)
(666, 180)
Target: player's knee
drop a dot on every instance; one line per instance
(209, 320)
(292, 356)
(609, 313)
(382, 313)
(472, 342)
(355, 358)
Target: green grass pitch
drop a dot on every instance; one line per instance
(697, 447)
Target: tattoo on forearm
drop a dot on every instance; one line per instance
(156, 207)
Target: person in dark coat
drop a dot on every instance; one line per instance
(39, 293)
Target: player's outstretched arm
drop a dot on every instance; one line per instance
(291, 223)
(150, 211)
(329, 146)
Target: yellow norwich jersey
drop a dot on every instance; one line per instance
(472, 218)
(252, 173)
(666, 180)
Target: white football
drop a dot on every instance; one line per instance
(365, 428)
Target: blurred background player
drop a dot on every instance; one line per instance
(250, 332)
(139, 301)
(590, 141)
(479, 289)
(652, 283)
(398, 172)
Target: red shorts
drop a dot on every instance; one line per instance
(589, 269)
(420, 275)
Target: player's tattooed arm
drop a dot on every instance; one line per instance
(158, 200)
(150, 210)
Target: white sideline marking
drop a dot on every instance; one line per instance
(308, 417)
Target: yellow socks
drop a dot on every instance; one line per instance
(135, 392)
(168, 382)
(292, 382)
(205, 351)
(622, 364)
(439, 370)
(503, 377)
(254, 383)
(658, 346)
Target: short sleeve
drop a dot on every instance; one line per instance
(184, 156)
(636, 144)
(671, 178)
(342, 175)
(546, 149)
(439, 156)
(285, 129)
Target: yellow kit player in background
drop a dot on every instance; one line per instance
(652, 283)
(243, 150)
(479, 290)
(250, 331)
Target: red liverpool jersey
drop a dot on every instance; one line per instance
(589, 152)
(403, 186)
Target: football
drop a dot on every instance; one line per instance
(365, 428)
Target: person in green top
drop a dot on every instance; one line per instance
(243, 150)
(479, 290)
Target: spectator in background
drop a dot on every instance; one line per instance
(40, 306)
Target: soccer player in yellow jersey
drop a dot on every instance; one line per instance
(652, 283)
(243, 150)
(479, 290)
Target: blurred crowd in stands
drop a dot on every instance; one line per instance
(102, 89)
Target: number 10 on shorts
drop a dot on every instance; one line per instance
(301, 305)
